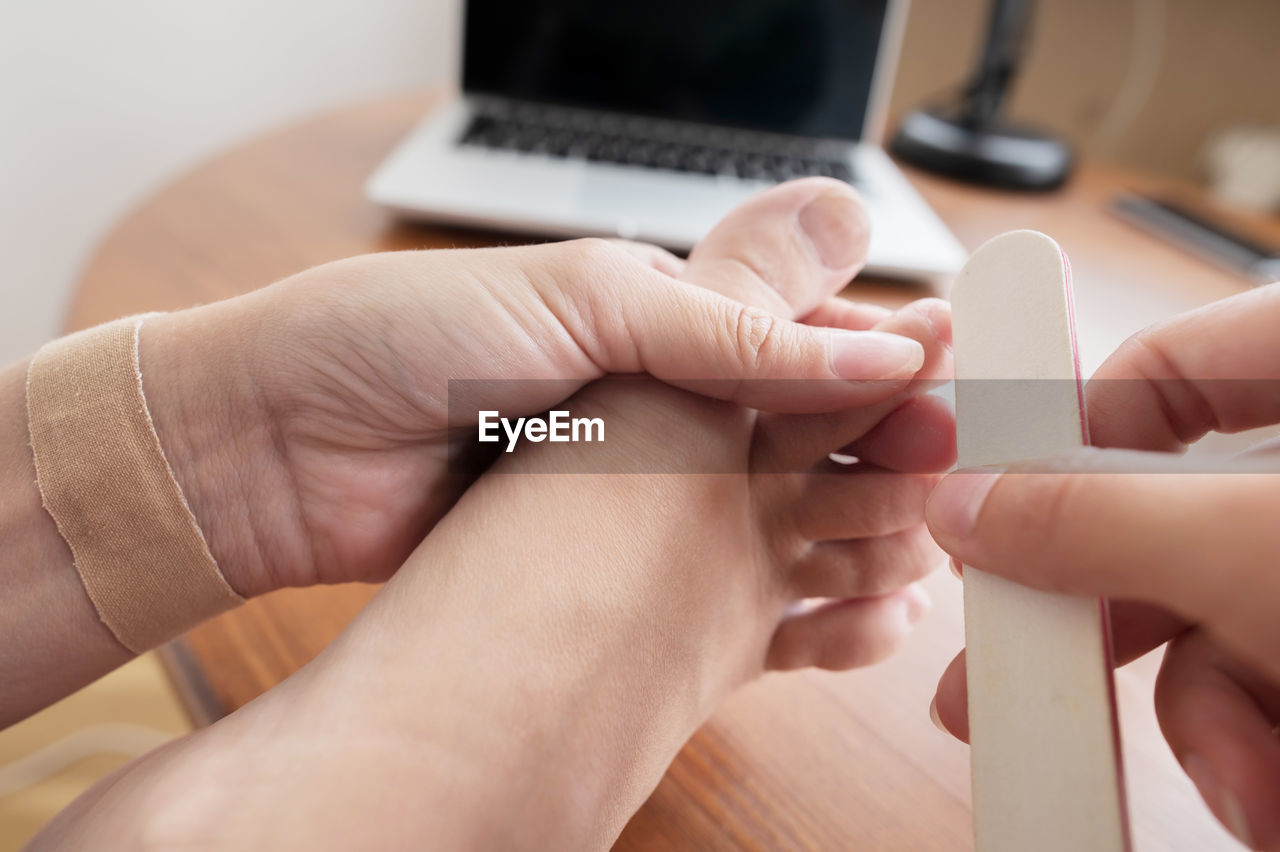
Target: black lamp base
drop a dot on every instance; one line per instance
(996, 155)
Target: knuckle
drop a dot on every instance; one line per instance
(896, 561)
(594, 253)
(755, 333)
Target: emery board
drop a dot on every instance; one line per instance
(1042, 717)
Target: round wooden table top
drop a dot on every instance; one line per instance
(802, 761)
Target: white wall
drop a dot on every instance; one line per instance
(101, 103)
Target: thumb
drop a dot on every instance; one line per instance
(696, 339)
(704, 342)
(1146, 527)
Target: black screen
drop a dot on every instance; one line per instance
(790, 66)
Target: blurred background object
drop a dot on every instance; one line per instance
(1201, 233)
(102, 104)
(1141, 84)
(968, 137)
(651, 121)
(48, 760)
(1244, 167)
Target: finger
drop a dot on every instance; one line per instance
(800, 442)
(1186, 542)
(1136, 629)
(865, 567)
(846, 634)
(929, 321)
(1214, 369)
(950, 708)
(751, 357)
(651, 255)
(838, 312)
(1219, 719)
(627, 318)
(1139, 628)
(861, 503)
(787, 249)
(919, 436)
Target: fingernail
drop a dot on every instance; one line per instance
(1220, 800)
(954, 505)
(935, 718)
(836, 225)
(1233, 816)
(918, 603)
(868, 355)
(956, 570)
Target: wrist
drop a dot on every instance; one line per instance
(564, 705)
(215, 432)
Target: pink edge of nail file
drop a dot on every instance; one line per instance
(1042, 715)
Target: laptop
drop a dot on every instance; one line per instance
(651, 120)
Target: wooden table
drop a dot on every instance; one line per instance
(802, 761)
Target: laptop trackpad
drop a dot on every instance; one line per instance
(647, 201)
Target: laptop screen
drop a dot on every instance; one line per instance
(802, 67)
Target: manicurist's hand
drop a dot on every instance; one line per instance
(309, 423)
(1188, 551)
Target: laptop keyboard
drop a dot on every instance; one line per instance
(656, 145)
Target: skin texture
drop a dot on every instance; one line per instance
(51, 640)
(308, 423)
(528, 674)
(338, 395)
(1188, 553)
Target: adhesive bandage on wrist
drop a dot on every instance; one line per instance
(104, 478)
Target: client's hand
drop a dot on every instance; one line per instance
(308, 423)
(526, 677)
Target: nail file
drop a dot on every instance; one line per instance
(1042, 715)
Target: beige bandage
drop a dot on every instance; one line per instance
(104, 479)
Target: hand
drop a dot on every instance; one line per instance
(1187, 551)
(532, 669)
(308, 423)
